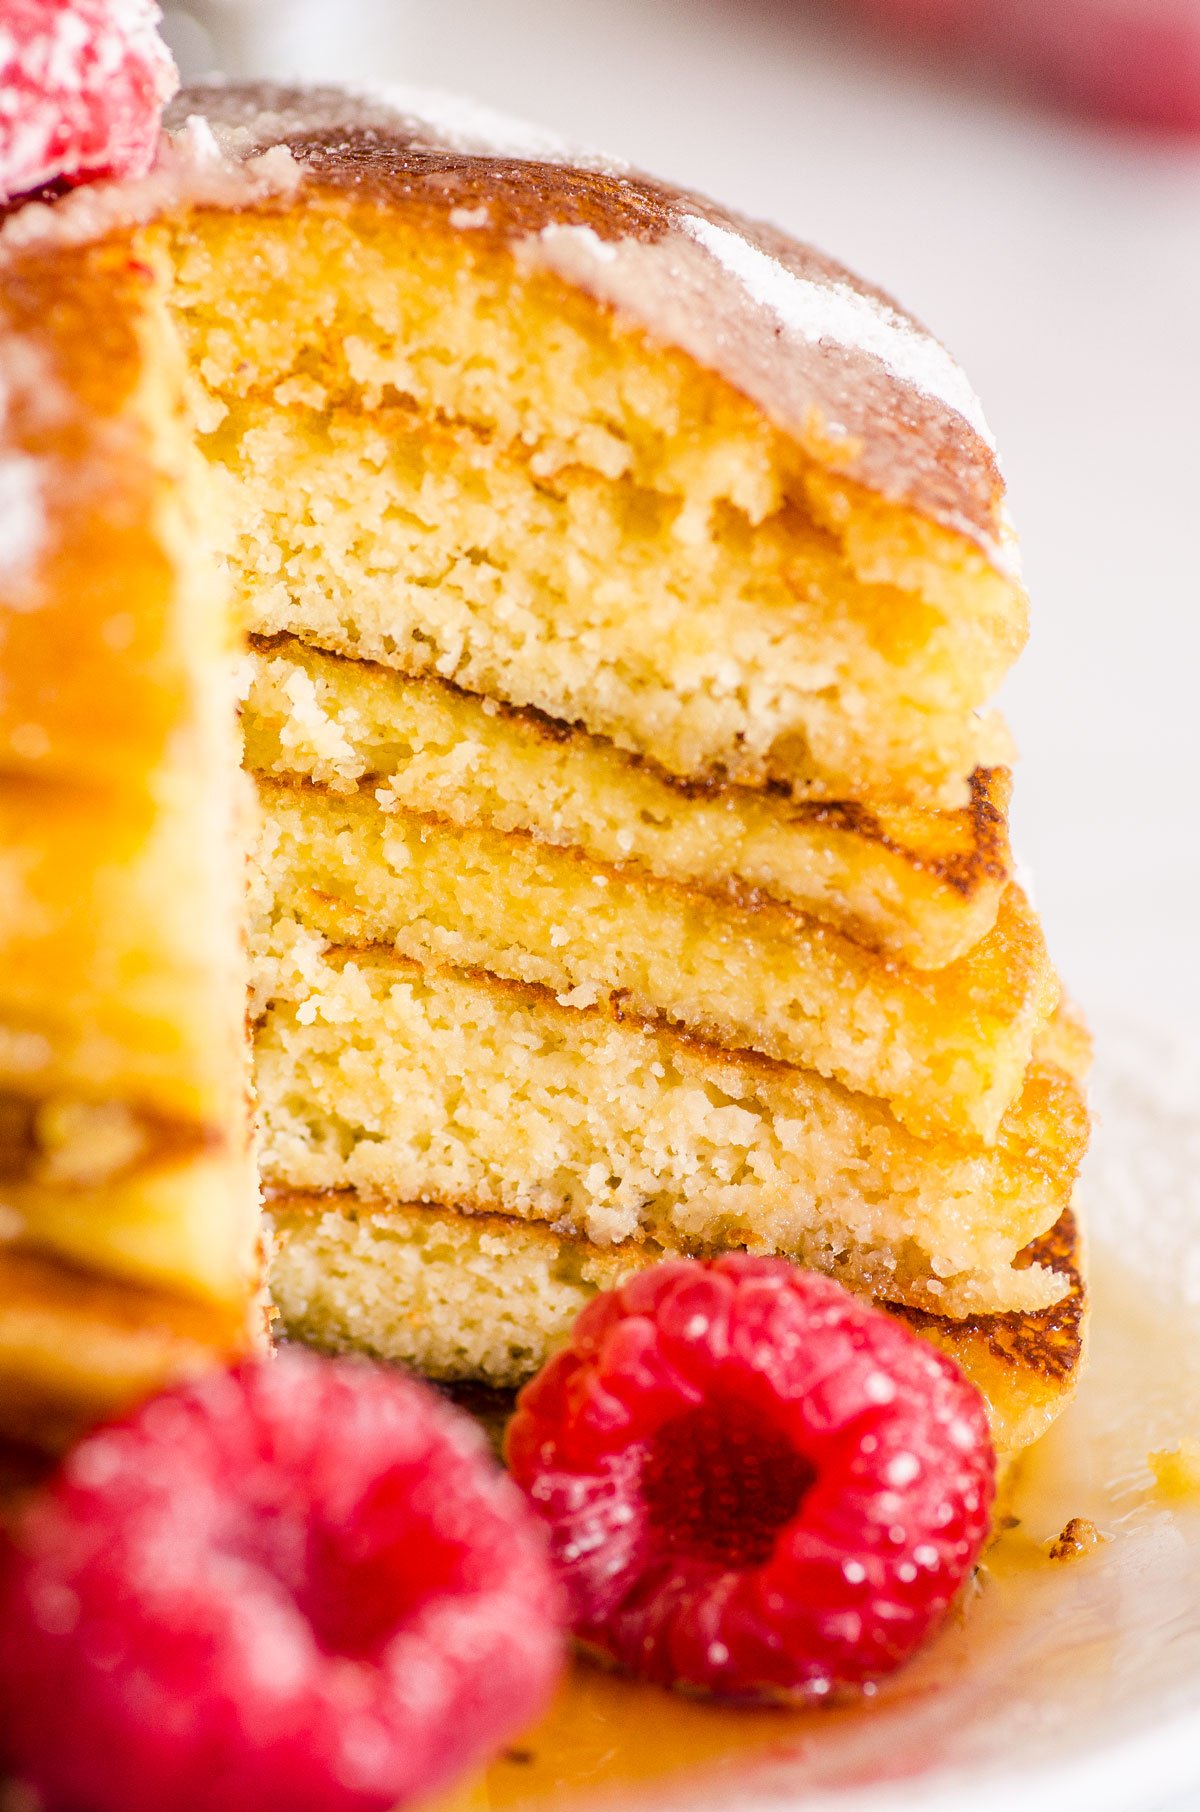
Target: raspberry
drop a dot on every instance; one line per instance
(1137, 63)
(82, 87)
(303, 1585)
(756, 1486)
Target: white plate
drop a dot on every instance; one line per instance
(1073, 1686)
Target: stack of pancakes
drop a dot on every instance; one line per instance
(127, 1213)
(623, 585)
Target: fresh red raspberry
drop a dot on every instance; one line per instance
(1136, 62)
(82, 87)
(302, 1586)
(756, 1486)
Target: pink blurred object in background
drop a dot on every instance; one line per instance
(1136, 61)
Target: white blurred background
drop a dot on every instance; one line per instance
(1058, 258)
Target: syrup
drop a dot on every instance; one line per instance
(1045, 1660)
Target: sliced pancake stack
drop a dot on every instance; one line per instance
(624, 587)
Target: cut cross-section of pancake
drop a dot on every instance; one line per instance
(1026, 1365)
(665, 621)
(923, 885)
(485, 1299)
(379, 1077)
(947, 1048)
(546, 430)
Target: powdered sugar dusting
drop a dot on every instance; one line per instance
(466, 125)
(823, 312)
(22, 522)
(22, 519)
(247, 119)
(584, 238)
(193, 167)
(22, 510)
(466, 220)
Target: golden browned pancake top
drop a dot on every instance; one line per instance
(832, 360)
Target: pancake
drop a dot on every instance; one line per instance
(454, 1088)
(105, 1186)
(713, 647)
(921, 885)
(541, 428)
(77, 1347)
(128, 1202)
(120, 908)
(486, 1299)
(946, 1048)
(1026, 1365)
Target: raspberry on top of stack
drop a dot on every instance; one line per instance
(624, 586)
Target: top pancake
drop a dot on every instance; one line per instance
(794, 479)
(832, 360)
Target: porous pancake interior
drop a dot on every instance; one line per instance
(945, 1048)
(479, 1297)
(924, 885)
(404, 1083)
(455, 464)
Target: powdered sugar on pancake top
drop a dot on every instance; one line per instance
(22, 515)
(586, 238)
(247, 119)
(848, 317)
(192, 169)
(23, 478)
(465, 125)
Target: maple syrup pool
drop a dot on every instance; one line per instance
(1040, 1652)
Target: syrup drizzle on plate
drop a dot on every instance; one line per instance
(1047, 1663)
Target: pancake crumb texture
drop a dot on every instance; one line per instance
(946, 1048)
(406, 1083)
(481, 1299)
(921, 885)
(454, 465)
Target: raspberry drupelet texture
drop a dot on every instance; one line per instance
(756, 1485)
(302, 1585)
(83, 84)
